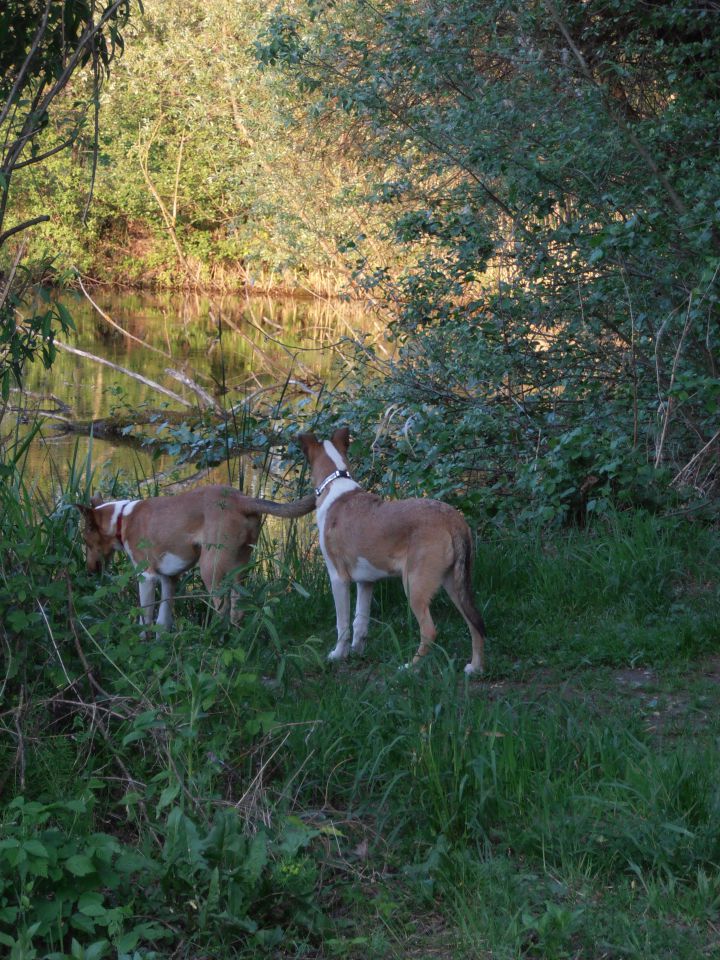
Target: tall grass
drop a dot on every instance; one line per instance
(259, 801)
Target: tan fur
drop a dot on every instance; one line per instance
(214, 526)
(363, 538)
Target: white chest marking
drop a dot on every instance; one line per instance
(365, 572)
(336, 489)
(170, 565)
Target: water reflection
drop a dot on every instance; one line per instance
(231, 347)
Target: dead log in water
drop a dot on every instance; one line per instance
(118, 426)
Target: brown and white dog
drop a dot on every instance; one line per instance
(214, 526)
(364, 538)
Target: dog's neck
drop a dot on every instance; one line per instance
(113, 514)
(337, 475)
(331, 484)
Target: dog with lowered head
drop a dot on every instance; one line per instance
(215, 527)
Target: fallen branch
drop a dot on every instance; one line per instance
(115, 427)
(208, 401)
(129, 373)
(61, 405)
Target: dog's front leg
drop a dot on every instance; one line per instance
(147, 599)
(167, 596)
(341, 595)
(362, 616)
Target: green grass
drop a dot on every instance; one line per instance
(227, 793)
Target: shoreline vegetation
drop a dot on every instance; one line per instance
(315, 286)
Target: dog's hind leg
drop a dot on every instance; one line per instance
(213, 568)
(472, 618)
(244, 555)
(362, 616)
(419, 598)
(167, 596)
(215, 565)
(458, 584)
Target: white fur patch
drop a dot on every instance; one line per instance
(336, 489)
(332, 451)
(365, 572)
(127, 507)
(170, 564)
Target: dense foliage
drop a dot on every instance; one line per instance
(202, 179)
(43, 45)
(550, 170)
(529, 193)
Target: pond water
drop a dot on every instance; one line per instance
(232, 347)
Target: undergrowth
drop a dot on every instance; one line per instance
(219, 792)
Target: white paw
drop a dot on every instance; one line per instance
(472, 671)
(339, 653)
(358, 648)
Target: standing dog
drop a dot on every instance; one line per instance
(214, 526)
(364, 539)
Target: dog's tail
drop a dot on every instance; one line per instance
(462, 578)
(296, 508)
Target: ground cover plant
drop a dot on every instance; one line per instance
(218, 792)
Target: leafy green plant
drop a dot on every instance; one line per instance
(43, 47)
(63, 885)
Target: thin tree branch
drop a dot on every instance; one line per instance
(22, 226)
(129, 373)
(26, 65)
(38, 158)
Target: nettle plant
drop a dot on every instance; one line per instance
(66, 891)
(61, 884)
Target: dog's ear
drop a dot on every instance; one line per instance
(308, 442)
(341, 440)
(88, 514)
(97, 500)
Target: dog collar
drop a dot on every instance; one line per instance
(118, 525)
(344, 474)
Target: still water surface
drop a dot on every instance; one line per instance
(232, 347)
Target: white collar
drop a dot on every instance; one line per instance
(329, 479)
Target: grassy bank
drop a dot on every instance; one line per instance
(225, 793)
